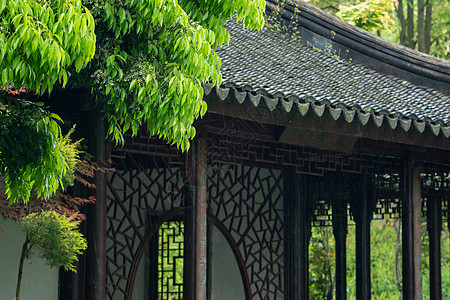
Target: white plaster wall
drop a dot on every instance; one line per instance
(39, 280)
(225, 281)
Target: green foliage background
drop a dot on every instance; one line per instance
(382, 245)
(379, 15)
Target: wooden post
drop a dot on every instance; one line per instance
(411, 242)
(96, 216)
(298, 203)
(362, 210)
(200, 206)
(71, 284)
(340, 235)
(434, 226)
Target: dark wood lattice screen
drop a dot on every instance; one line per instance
(245, 187)
(248, 201)
(143, 192)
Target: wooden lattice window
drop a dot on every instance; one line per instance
(170, 260)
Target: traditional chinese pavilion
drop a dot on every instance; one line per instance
(316, 122)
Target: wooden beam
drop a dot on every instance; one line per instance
(411, 241)
(434, 226)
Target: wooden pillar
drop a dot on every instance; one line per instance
(411, 242)
(434, 226)
(200, 208)
(297, 208)
(96, 216)
(340, 235)
(71, 284)
(362, 211)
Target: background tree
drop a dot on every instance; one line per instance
(51, 225)
(419, 24)
(143, 61)
(385, 241)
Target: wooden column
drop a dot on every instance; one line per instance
(362, 211)
(96, 216)
(71, 284)
(200, 207)
(340, 235)
(411, 242)
(434, 226)
(297, 208)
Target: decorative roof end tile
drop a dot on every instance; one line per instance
(420, 125)
(378, 120)
(363, 117)
(406, 124)
(303, 107)
(393, 122)
(271, 102)
(318, 109)
(335, 113)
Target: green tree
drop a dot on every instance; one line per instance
(52, 236)
(423, 24)
(143, 61)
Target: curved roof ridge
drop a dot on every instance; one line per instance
(366, 48)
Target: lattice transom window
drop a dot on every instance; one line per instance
(170, 260)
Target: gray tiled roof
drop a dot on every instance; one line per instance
(286, 73)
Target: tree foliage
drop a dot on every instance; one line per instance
(54, 237)
(369, 15)
(143, 61)
(40, 39)
(418, 24)
(33, 153)
(385, 259)
(153, 56)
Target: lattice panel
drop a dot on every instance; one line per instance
(240, 150)
(323, 215)
(244, 151)
(142, 191)
(388, 195)
(143, 144)
(328, 192)
(170, 260)
(436, 180)
(249, 203)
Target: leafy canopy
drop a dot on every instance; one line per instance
(143, 61)
(152, 57)
(40, 39)
(54, 237)
(33, 153)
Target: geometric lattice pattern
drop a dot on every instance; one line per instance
(305, 160)
(436, 180)
(248, 201)
(388, 195)
(141, 193)
(245, 194)
(170, 260)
